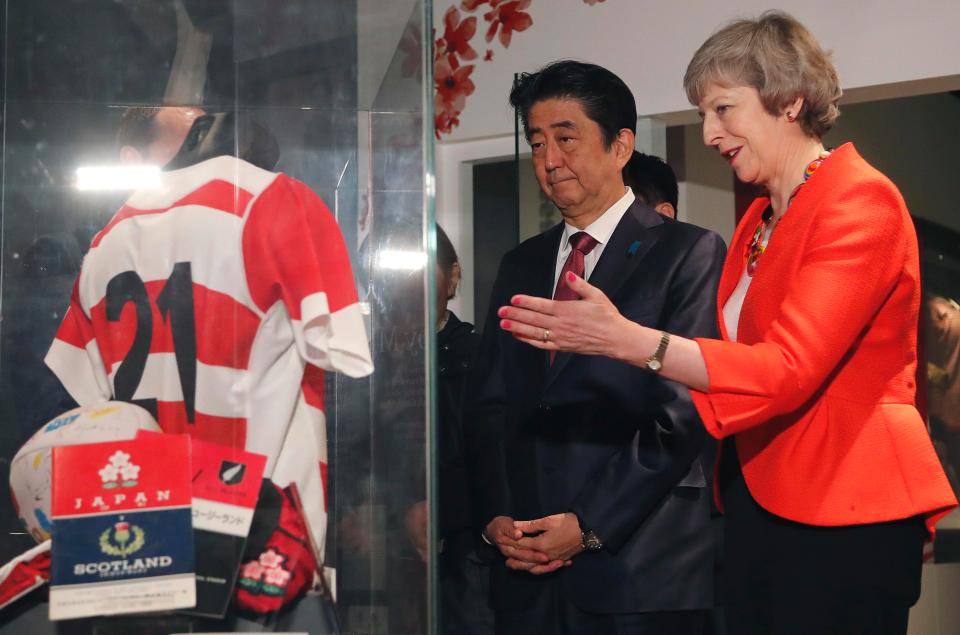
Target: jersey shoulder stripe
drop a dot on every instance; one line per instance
(216, 195)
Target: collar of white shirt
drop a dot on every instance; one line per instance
(600, 229)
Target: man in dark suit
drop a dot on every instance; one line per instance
(602, 456)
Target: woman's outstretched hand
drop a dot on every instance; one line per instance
(589, 326)
(594, 326)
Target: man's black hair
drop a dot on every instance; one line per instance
(651, 179)
(604, 97)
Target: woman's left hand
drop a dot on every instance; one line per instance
(589, 326)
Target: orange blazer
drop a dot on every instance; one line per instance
(820, 387)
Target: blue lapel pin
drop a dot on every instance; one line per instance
(632, 250)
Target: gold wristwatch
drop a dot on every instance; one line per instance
(655, 363)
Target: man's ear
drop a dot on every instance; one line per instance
(666, 209)
(623, 146)
(130, 156)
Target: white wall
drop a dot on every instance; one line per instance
(875, 42)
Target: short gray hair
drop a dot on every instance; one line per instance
(780, 58)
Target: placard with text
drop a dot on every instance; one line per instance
(226, 486)
(122, 538)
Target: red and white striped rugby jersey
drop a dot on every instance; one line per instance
(217, 301)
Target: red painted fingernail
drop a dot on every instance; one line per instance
(504, 324)
(502, 312)
(514, 300)
(571, 276)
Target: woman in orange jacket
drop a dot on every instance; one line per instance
(827, 475)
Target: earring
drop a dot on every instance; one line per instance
(790, 116)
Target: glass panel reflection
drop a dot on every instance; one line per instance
(334, 89)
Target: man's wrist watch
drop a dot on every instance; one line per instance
(655, 363)
(590, 541)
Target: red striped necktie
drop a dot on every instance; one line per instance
(581, 244)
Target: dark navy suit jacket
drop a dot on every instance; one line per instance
(617, 445)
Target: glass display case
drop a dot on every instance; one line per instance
(332, 93)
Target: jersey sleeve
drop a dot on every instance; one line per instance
(294, 253)
(75, 358)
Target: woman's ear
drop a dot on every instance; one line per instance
(792, 110)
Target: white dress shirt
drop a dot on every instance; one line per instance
(600, 230)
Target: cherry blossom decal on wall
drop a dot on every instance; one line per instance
(451, 74)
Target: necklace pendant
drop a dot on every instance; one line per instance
(756, 247)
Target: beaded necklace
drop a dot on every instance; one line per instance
(756, 247)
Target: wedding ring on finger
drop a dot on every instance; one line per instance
(546, 334)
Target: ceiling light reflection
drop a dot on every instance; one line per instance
(118, 177)
(402, 259)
